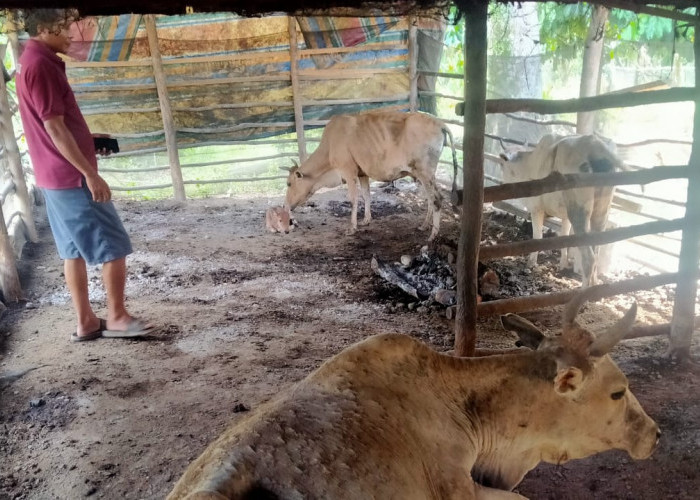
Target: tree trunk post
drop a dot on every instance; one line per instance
(165, 110)
(475, 45)
(296, 90)
(13, 159)
(590, 72)
(683, 320)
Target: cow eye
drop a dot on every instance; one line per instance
(289, 184)
(618, 395)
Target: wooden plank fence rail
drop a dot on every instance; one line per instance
(522, 304)
(349, 74)
(454, 76)
(620, 100)
(349, 50)
(197, 165)
(215, 181)
(650, 198)
(577, 240)
(558, 182)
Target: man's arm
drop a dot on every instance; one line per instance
(66, 145)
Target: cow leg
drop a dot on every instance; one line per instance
(599, 220)
(352, 194)
(581, 224)
(434, 199)
(565, 254)
(537, 216)
(364, 186)
(427, 222)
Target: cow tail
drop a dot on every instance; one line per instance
(448, 133)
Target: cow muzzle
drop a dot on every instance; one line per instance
(644, 445)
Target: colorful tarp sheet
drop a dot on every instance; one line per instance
(229, 76)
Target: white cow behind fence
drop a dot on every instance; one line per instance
(581, 209)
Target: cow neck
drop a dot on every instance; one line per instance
(496, 400)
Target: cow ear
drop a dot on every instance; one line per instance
(568, 381)
(530, 336)
(298, 174)
(504, 157)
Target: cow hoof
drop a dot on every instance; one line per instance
(365, 222)
(351, 231)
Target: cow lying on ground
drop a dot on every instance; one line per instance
(391, 418)
(379, 145)
(583, 209)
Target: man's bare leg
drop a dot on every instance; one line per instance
(75, 272)
(114, 277)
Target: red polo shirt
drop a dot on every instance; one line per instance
(44, 92)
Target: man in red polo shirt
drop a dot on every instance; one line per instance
(85, 225)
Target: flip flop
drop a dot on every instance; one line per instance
(74, 337)
(136, 328)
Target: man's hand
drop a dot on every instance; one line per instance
(99, 188)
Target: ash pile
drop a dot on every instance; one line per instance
(432, 278)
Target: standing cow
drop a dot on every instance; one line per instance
(583, 209)
(389, 418)
(378, 145)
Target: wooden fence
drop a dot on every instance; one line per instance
(475, 108)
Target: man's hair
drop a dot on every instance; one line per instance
(36, 19)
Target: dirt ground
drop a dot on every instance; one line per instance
(244, 315)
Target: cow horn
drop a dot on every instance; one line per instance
(286, 169)
(295, 163)
(592, 293)
(604, 342)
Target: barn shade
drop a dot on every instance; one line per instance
(261, 7)
(255, 8)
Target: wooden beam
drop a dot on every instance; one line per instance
(166, 112)
(652, 11)
(523, 304)
(557, 182)
(357, 48)
(687, 289)
(618, 100)
(296, 88)
(475, 48)
(413, 63)
(621, 100)
(577, 240)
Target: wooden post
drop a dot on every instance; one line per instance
(165, 111)
(413, 63)
(475, 45)
(12, 36)
(683, 319)
(296, 91)
(9, 278)
(13, 159)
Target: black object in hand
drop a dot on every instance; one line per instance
(107, 143)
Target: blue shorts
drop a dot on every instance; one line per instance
(85, 229)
